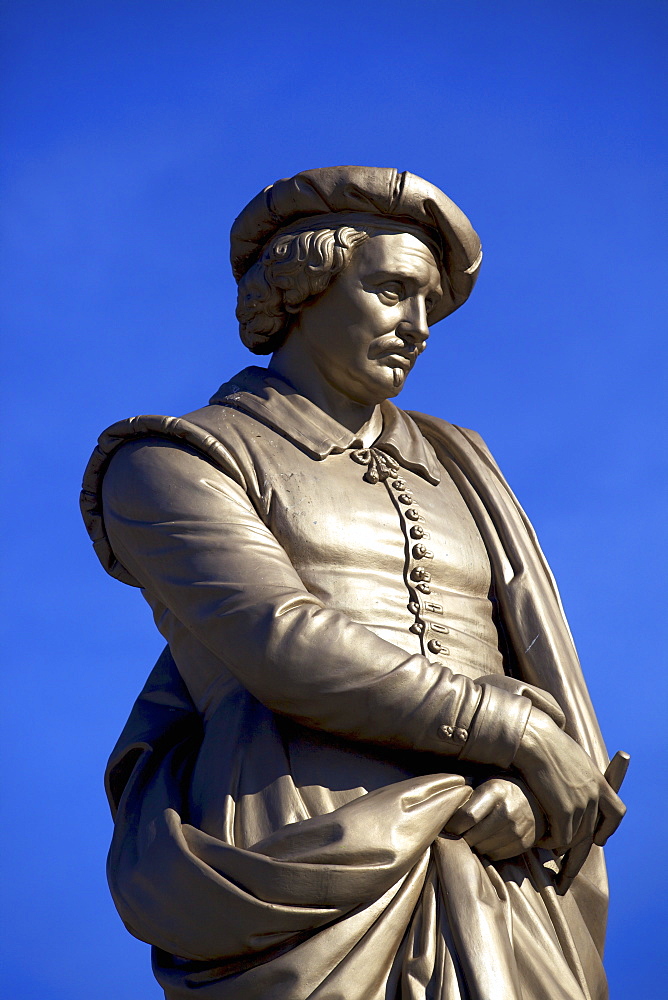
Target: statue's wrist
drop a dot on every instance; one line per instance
(531, 746)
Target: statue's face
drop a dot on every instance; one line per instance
(365, 332)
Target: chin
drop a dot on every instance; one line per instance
(395, 385)
(383, 389)
(376, 386)
(385, 384)
(394, 390)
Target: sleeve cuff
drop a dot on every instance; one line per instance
(497, 727)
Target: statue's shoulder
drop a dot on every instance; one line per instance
(207, 430)
(214, 432)
(222, 419)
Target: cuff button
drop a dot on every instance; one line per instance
(455, 734)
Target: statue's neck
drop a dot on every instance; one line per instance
(303, 375)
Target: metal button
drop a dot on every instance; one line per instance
(405, 498)
(417, 628)
(412, 514)
(454, 733)
(420, 551)
(419, 573)
(434, 646)
(418, 531)
(424, 588)
(399, 484)
(414, 607)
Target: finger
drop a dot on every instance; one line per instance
(571, 865)
(583, 824)
(560, 829)
(507, 841)
(460, 821)
(479, 805)
(505, 844)
(577, 852)
(488, 828)
(605, 825)
(611, 815)
(587, 827)
(512, 849)
(559, 835)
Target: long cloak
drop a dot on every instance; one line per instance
(370, 899)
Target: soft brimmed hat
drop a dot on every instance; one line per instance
(371, 195)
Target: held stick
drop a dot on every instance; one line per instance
(574, 859)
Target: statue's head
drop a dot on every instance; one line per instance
(297, 235)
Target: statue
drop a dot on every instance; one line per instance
(366, 766)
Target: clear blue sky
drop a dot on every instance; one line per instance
(133, 134)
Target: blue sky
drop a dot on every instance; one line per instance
(134, 132)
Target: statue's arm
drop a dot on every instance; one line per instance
(191, 537)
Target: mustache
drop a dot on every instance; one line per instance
(391, 344)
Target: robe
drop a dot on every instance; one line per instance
(282, 784)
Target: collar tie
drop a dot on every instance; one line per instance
(380, 466)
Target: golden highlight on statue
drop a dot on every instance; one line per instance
(366, 766)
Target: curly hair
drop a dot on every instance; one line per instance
(293, 267)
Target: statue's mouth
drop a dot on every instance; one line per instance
(401, 365)
(403, 361)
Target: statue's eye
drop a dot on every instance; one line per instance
(391, 292)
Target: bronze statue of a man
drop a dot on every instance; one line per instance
(366, 766)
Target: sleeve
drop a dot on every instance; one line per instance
(191, 537)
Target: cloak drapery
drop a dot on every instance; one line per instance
(368, 899)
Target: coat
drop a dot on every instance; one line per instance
(282, 784)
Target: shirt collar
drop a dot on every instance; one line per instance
(267, 397)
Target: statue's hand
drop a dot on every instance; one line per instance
(578, 803)
(500, 819)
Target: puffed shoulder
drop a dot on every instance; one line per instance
(160, 429)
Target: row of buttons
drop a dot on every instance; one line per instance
(383, 469)
(419, 575)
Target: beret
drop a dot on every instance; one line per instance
(377, 192)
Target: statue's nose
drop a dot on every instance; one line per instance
(414, 324)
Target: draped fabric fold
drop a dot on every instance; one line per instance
(313, 893)
(365, 902)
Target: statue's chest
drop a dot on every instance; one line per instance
(403, 532)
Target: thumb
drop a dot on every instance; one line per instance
(477, 806)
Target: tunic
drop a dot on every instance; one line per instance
(332, 613)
